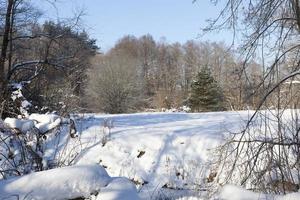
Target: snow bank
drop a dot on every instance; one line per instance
(62, 183)
(22, 125)
(162, 151)
(44, 118)
(43, 122)
(119, 188)
(232, 192)
(157, 149)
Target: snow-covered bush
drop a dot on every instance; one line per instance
(34, 144)
(16, 103)
(60, 99)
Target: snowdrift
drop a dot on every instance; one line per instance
(68, 183)
(42, 122)
(232, 192)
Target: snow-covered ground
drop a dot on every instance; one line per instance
(231, 192)
(157, 150)
(166, 155)
(68, 183)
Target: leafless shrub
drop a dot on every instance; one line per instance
(113, 86)
(264, 156)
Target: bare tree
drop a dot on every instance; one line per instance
(29, 50)
(265, 155)
(113, 85)
(4, 47)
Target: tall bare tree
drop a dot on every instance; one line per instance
(265, 155)
(4, 46)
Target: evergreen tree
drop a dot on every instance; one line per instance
(205, 95)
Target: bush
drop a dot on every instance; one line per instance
(113, 84)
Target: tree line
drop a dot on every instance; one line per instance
(139, 73)
(56, 66)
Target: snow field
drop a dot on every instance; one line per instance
(166, 155)
(158, 150)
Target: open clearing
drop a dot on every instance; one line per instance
(157, 150)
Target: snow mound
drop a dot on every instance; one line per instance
(22, 125)
(61, 183)
(43, 122)
(119, 188)
(232, 192)
(44, 118)
(44, 127)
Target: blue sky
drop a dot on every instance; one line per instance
(109, 20)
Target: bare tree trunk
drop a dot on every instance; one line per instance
(11, 37)
(4, 47)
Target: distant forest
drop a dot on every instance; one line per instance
(141, 73)
(56, 66)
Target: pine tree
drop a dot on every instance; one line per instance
(205, 95)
